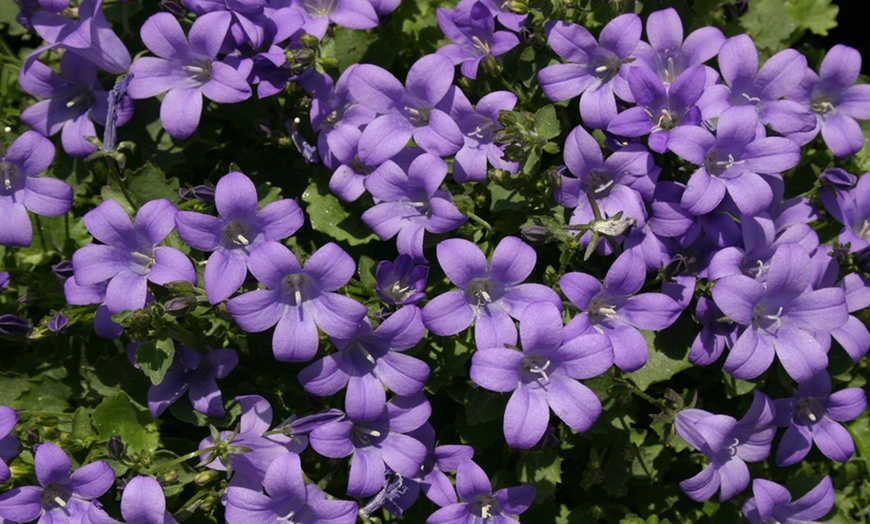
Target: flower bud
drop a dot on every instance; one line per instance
(14, 325)
(116, 448)
(57, 323)
(63, 269)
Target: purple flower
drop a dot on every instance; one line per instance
(287, 498)
(474, 38)
(614, 308)
(142, 502)
(660, 109)
(61, 495)
(490, 294)
(73, 102)
(353, 14)
(728, 445)
(57, 323)
(853, 335)
(376, 444)
(186, 70)
(409, 204)
(852, 209)
(812, 415)
(780, 317)
(731, 161)
(90, 37)
(478, 126)
(544, 375)
(193, 373)
(760, 89)
(78, 295)
(370, 361)
(4, 280)
(129, 255)
(480, 503)
(401, 282)
(8, 442)
(255, 450)
(298, 300)
(406, 111)
(835, 102)
(598, 71)
(618, 184)
(22, 189)
(236, 232)
(772, 503)
(667, 54)
(432, 478)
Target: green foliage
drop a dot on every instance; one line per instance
(120, 416)
(329, 216)
(154, 358)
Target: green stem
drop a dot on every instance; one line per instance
(115, 170)
(181, 459)
(486, 225)
(45, 413)
(41, 235)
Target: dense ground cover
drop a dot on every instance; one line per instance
(362, 260)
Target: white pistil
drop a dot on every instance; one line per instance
(241, 240)
(601, 69)
(367, 431)
(142, 258)
(730, 162)
(775, 317)
(541, 370)
(59, 501)
(752, 99)
(812, 416)
(366, 353)
(484, 511)
(603, 187)
(864, 232)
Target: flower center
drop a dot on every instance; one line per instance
(234, 233)
(732, 448)
(822, 105)
(717, 162)
(482, 506)
(295, 283)
(599, 309)
(606, 67)
(53, 497)
(766, 321)
(599, 183)
(808, 411)
(667, 120)
(9, 177)
(199, 71)
(419, 116)
(537, 366)
(364, 435)
(864, 231)
(319, 8)
(144, 259)
(479, 292)
(480, 45)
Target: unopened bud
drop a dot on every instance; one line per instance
(58, 323)
(204, 477)
(179, 306)
(14, 325)
(63, 269)
(116, 448)
(537, 234)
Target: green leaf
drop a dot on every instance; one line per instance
(816, 15)
(120, 416)
(669, 351)
(328, 216)
(758, 24)
(44, 394)
(11, 387)
(149, 182)
(81, 424)
(367, 271)
(154, 358)
(543, 469)
(546, 122)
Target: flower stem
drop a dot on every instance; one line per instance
(181, 459)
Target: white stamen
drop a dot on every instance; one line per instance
(752, 99)
(775, 317)
(812, 417)
(601, 69)
(240, 239)
(59, 501)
